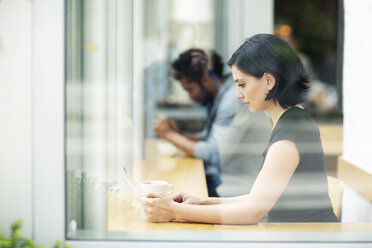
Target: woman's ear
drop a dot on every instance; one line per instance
(270, 80)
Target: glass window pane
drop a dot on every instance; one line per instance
(98, 105)
(120, 79)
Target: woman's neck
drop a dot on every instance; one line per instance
(275, 111)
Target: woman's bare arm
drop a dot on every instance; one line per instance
(281, 161)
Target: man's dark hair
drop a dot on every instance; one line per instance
(193, 64)
(268, 53)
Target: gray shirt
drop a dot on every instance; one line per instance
(233, 141)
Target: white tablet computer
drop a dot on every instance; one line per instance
(133, 183)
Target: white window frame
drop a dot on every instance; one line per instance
(48, 120)
(48, 96)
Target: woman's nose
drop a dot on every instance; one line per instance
(238, 94)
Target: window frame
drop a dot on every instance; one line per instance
(48, 132)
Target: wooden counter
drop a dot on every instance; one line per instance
(356, 177)
(187, 174)
(299, 227)
(332, 137)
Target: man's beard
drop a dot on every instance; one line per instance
(207, 97)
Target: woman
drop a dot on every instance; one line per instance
(292, 184)
(227, 121)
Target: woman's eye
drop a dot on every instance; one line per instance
(241, 85)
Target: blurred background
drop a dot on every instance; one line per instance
(118, 73)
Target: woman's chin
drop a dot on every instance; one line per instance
(253, 109)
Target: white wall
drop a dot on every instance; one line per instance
(15, 115)
(358, 83)
(32, 117)
(357, 89)
(48, 120)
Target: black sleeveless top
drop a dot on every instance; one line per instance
(305, 199)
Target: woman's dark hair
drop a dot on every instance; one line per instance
(268, 53)
(193, 64)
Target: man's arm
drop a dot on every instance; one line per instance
(195, 146)
(163, 128)
(181, 141)
(193, 136)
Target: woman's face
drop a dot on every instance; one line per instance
(250, 90)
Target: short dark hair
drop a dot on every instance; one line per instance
(193, 64)
(268, 53)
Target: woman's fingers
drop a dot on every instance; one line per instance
(157, 207)
(178, 197)
(155, 195)
(154, 199)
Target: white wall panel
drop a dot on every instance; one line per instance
(48, 122)
(357, 83)
(357, 88)
(15, 115)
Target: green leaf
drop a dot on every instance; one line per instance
(5, 244)
(30, 243)
(57, 244)
(17, 235)
(16, 225)
(17, 241)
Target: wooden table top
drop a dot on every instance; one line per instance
(332, 137)
(124, 212)
(186, 174)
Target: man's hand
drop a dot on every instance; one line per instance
(174, 126)
(168, 130)
(163, 126)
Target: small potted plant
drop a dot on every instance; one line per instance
(17, 241)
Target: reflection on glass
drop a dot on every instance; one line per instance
(118, 81)
(98, 107)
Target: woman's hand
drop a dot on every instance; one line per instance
(187, 199)
(159, 207)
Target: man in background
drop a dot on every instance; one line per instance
(232, 140)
